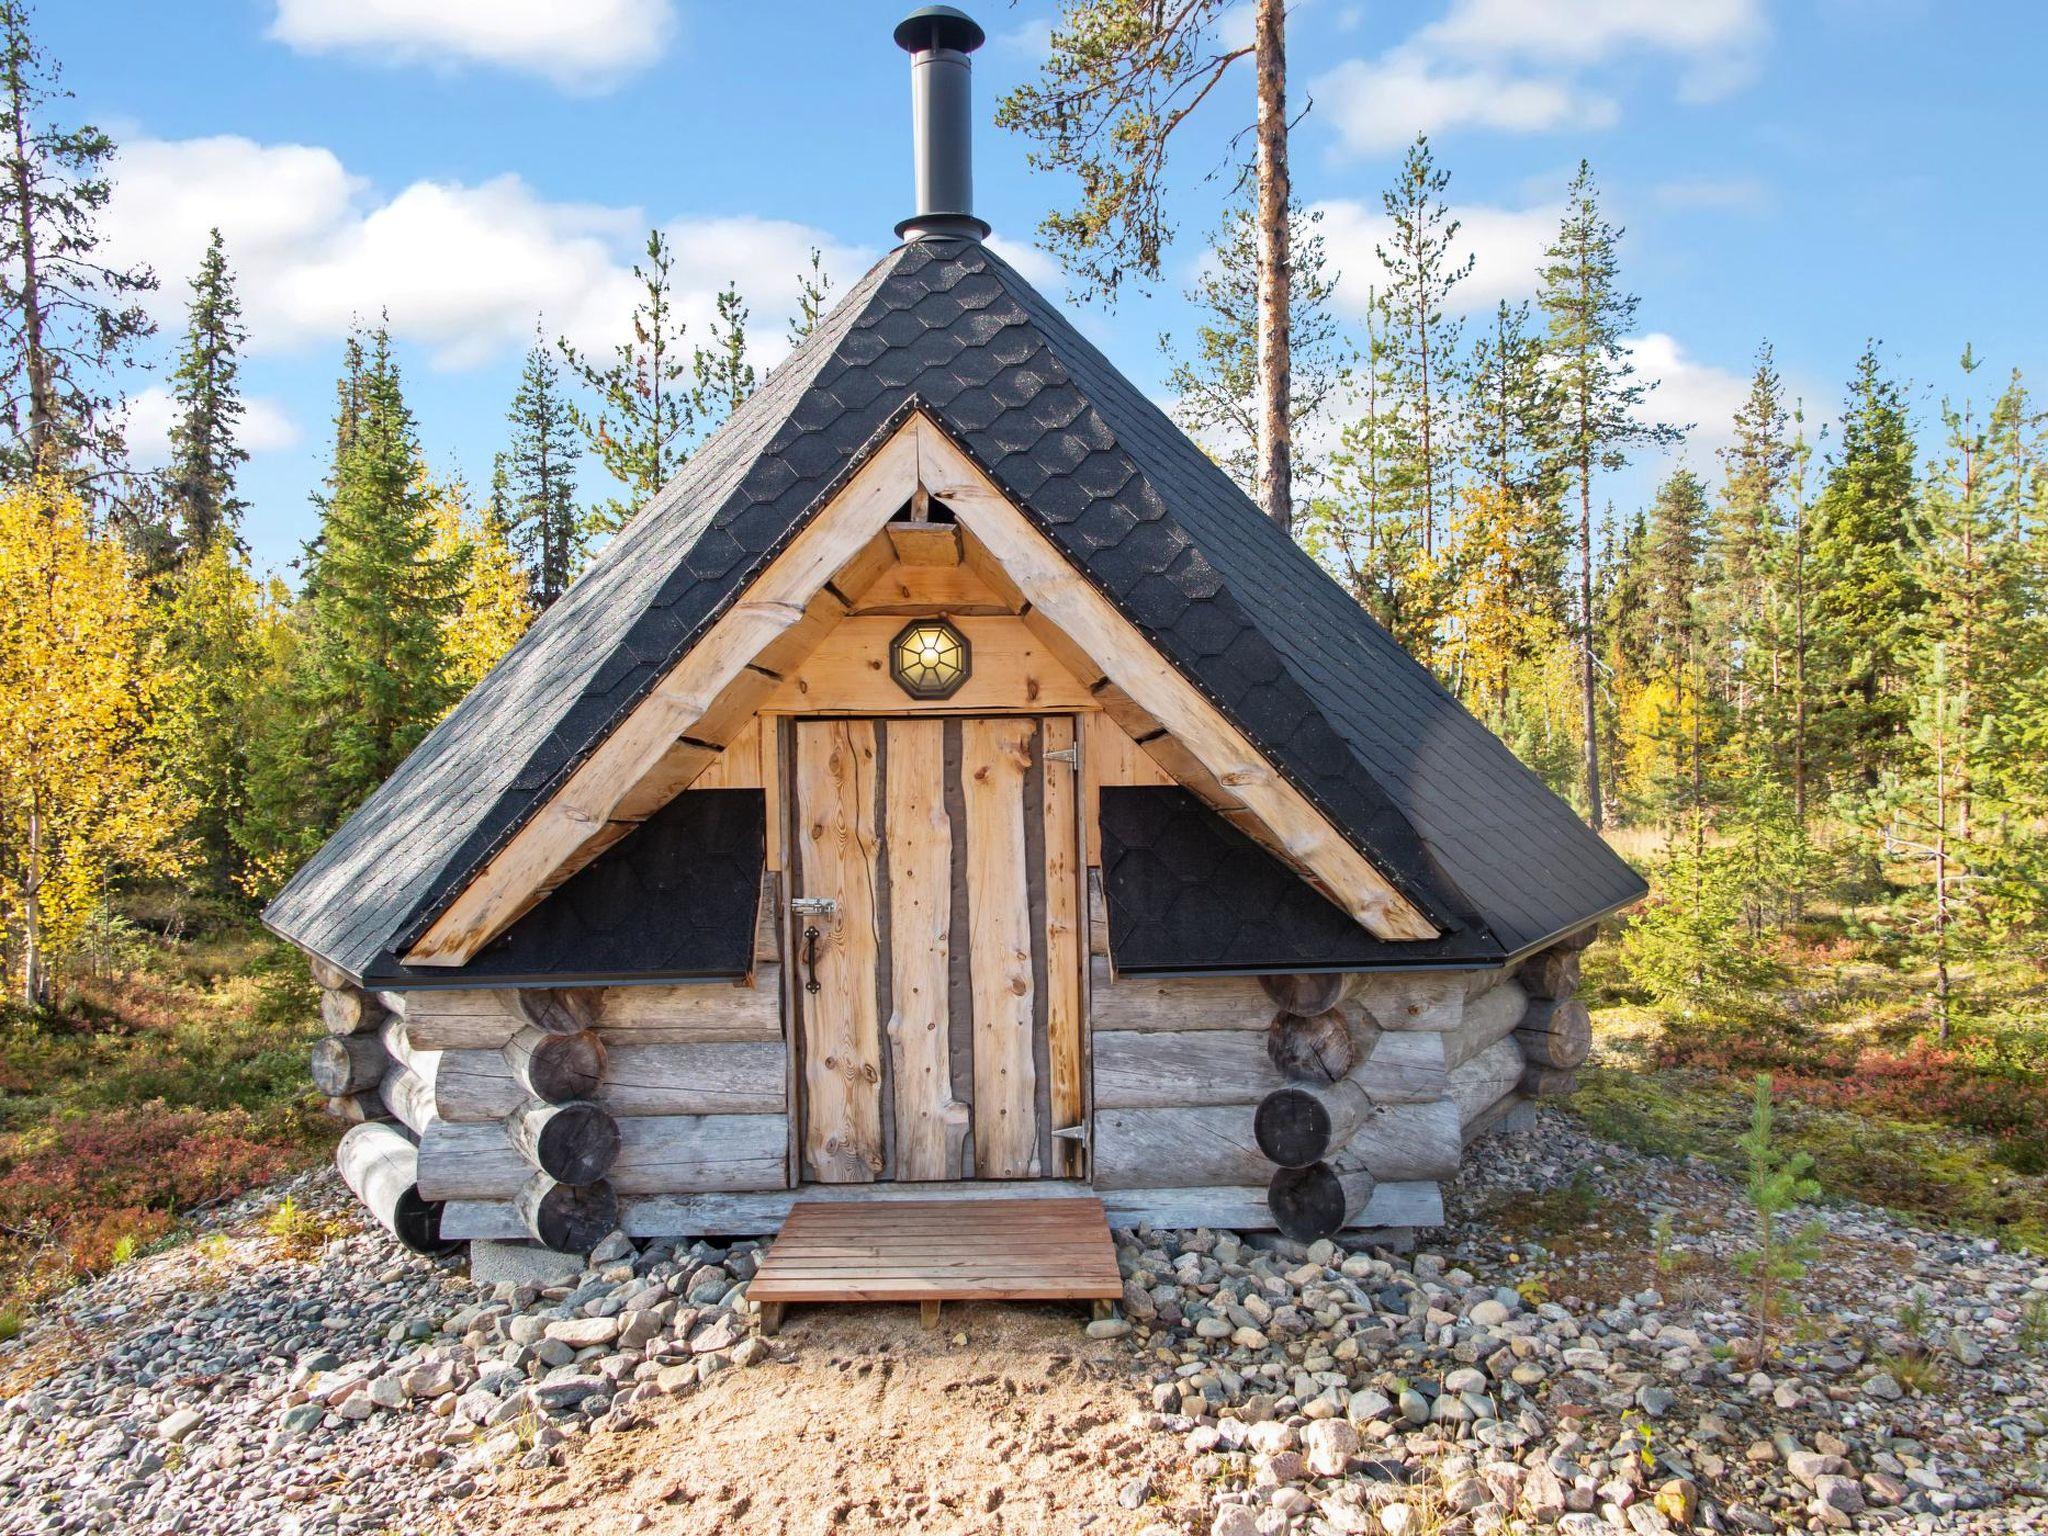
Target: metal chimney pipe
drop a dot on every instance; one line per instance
(938, 39)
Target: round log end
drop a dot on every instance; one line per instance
(1312, 1048)
(1307, 992)
(416, 1222)
(1292, 1127)
(579, 1144)
(569, 1218)
(565, 1067)
(1317, 1202)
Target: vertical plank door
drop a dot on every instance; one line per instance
(930, 1124)
(838, 843)
(996, 756)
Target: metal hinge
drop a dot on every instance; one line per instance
(1072, 1133)
(1071, 756)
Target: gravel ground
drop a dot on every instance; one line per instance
(1570, 1352)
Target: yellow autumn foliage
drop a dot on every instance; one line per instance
(497, 601)
(79, 804)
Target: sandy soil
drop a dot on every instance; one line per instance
(868, 1422)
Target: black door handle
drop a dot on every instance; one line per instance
(811, 957)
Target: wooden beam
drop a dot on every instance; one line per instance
(1011, 672)
(909, 591)
(777, 602)
(925, 543)
(1060, 596)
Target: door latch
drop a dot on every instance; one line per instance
(814, 906)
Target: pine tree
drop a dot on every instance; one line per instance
(1215, 386)
(1590, 317)
(1422, 274)
(1674, 565)
(68, 321)
(1866, 597)
(813, 297)
(1121, 79)
(724, 376)
(204, 453)
(539, 481)
(646, 409)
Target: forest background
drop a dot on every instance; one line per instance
(1801, 680)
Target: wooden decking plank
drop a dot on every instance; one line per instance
(896, 1250)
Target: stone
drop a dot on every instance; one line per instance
(1542, 1494)
(567, 1391)
(1235, 1520)
(388, 1391)
(303, 1419)
(174, 1427)
(1965, 1348)
(584, 1332)
(1842, 1494)
(1108, 1328)
(1810, 1466)
(1398, 1519)
(1414, 1407)
(492, 1263)
(1330, 1443)
(1883, 1490)
(1366, 1405)
(1655, 1401)
(1468, 1494)
(751, 1352)
(719, 1334)
(612, 1250)
(1884, 1387)
(1488, 1314)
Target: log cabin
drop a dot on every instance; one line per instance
(951, 786)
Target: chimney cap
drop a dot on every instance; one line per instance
(939, 26)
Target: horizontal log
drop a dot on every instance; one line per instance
(349, 1011)
(1307, 993)
(476, 1018)
(737, 1078)
(1147, 1148)
(347, 1064)
(409, 1098)
(1556, 1033)
(381, 1166)
(575, 1143)
(1404, 1067)
(396, 1035)
(1487, 1018)
(1319, 1201)
(1477, 982)
(354, 1108)
(1137, 1069)
(1512, 1112)
(569, 1218)
(1174, 1002)
(1237, 1208)
(1479, 1084)
(658, 1154)
(1552, 974)
(1431, 1000)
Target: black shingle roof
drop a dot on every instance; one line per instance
(1432, 797)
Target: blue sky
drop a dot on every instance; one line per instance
(1816, 173)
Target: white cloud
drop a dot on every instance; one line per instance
(462, 269)
(1036, 268)
(1688, 391)
(1030, 40)
(265, 427)
(584, 45)
(1731, 194)
(1506, 245)
(1380, 106)
(1522, 66)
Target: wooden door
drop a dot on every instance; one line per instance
(943, 1039)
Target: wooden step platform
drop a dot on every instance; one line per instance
(933, 1251)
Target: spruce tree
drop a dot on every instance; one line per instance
(1422, 274)
(69, 322)
(1866, 596)
(539, 480)
(1590, 317)
(204, 453)
(1747, 534)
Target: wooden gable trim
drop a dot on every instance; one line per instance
(711, 694)
(1199, 747)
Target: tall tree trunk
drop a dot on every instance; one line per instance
(1588, 701)
(1276, 429)
(41, 417)
(33, 983)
